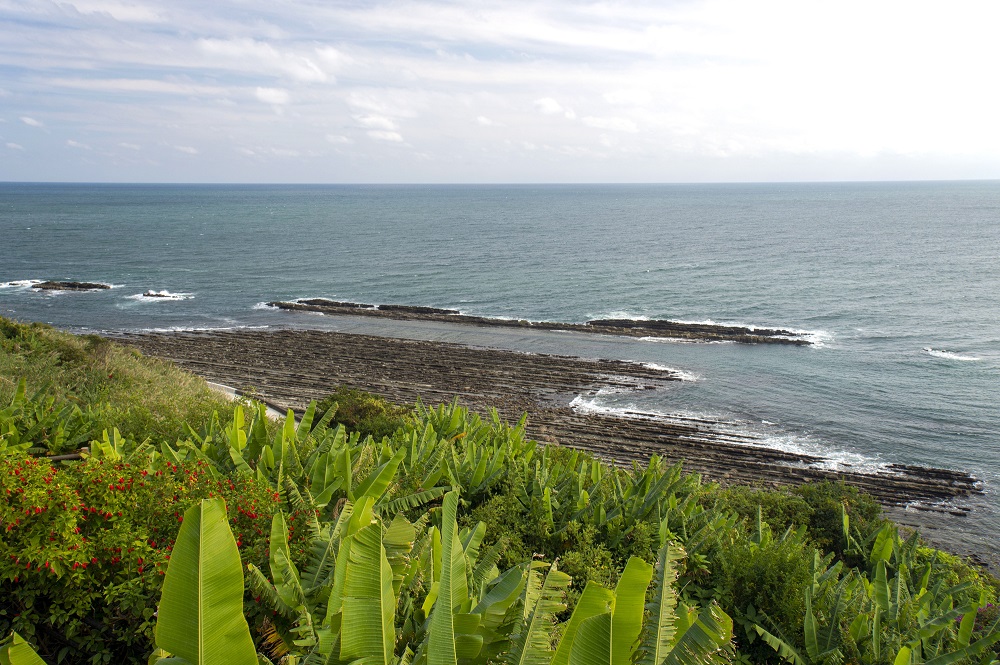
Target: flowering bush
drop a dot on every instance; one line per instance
(84, 547)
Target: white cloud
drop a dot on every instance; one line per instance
(614, 124)
(186, 149)
(76, 144)
(377, 122)
(712, 83)
(125, 12)
(633, 97)
(250, 54)
(275, 96)
(15, 146)
(130, 146)
(548, 106)
(141, 85)
(385, 136)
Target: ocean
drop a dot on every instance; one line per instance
(897, 285)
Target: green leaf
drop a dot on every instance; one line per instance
(369, 604)
(881, 587)
(533, 645)
(378, 480)
(201, 606)
(628, 607)
(783, 648)
(594, 600)
(15, 651)
(661, 627)
(452, 590)
(705, 641)
(592, 643)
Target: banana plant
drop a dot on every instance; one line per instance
(606, 626)
(200, 617)
(15, 651)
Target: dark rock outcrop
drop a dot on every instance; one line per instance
(626, 327)
(70, 286)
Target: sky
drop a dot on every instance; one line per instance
(433, 91)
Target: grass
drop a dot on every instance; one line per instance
(143, 397)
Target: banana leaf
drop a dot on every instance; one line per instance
(15, 651)
(200, 616)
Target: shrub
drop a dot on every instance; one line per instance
(84, 547)
(364, 412)
(769, 577)
(826, 523)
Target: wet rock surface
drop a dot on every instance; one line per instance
(704, 332)
(70, 286)
(288, 368)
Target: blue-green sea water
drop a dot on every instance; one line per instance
(899, 285)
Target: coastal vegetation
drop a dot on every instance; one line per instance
(194, 529)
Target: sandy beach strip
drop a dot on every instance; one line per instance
(288, 368)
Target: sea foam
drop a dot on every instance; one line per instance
(762, 434)
(948, 355)
(20, 283)
(159, 296)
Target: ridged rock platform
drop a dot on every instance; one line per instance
(288, 368)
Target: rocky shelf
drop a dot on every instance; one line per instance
(70, 286)
(288, 368)
(627, 327)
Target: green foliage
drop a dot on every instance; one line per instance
(201, 607)
(364, 413)
(376, 533)
(758, 571)
(85, 545)
(113, 385)
(827, 502)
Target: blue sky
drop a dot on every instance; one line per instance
(314, 91)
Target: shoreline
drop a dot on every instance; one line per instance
(288, 368)
(660, 328)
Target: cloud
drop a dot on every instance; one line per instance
(385, 136)
(245, 53)
(548, 106)
(186, 149)
(76, 144)
(15, 146)
(141, 85)
(272, 95)
(649, 88)
(130, 13)
(634, 97)
(377, 122)
(615, 124)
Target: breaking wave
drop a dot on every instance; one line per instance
(948, 355)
